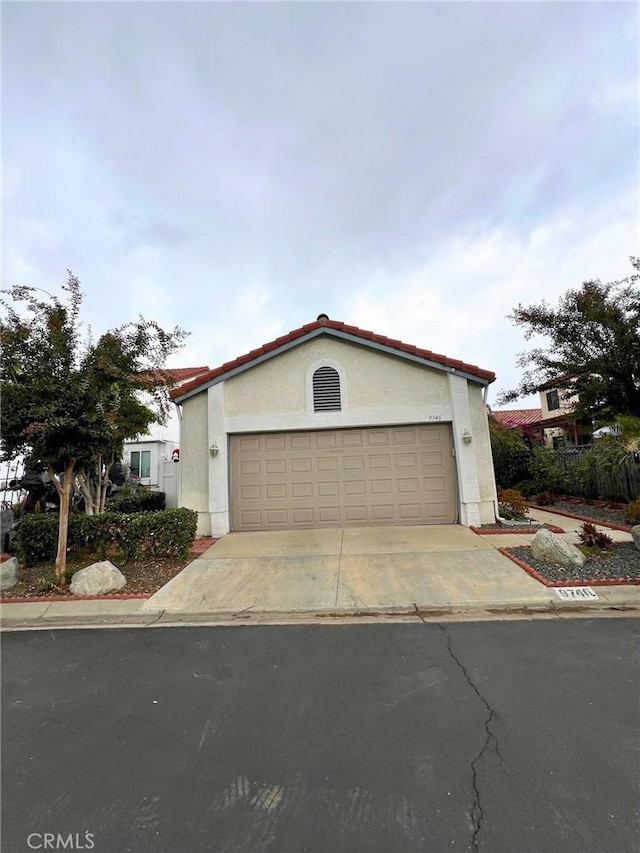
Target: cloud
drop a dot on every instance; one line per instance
(238, 168)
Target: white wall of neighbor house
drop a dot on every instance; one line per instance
(378, 389)
(565, 404)
(158, 452)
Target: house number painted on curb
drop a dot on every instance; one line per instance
(575, 592)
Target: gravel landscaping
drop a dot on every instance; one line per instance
(620, 562)
(612, 513)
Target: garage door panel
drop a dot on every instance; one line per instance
(302, 490)
(274, 466)
(303, 516)
(355, 488)
(356, 513)
(314, 479)
(329, 515)
(301, 441)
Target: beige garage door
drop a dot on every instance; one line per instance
(339, 478)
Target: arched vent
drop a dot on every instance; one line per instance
(326, 390)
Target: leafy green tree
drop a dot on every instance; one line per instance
(510, 452)
(594, 348)
(69, 403)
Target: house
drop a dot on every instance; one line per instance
(146, 457)
(552, 424)
(333, 426)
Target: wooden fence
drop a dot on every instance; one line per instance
(618, 482)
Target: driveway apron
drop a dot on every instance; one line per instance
(352, 569)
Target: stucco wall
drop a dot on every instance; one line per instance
(194, 460)
(484, 459)
(371, 380)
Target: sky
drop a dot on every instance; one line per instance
(415, 169)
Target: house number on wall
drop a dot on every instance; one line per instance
(434, 418)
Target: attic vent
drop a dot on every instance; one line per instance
(326, 390)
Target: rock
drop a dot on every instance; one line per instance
(635, 532)
(9, 573)
(551, 546)
(97, 579)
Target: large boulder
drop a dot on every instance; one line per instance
(9, 573)
(98, 579)
(546, 545)
(635, 532)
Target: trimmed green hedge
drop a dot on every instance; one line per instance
(169, 533)
(142, 500)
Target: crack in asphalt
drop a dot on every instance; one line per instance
(477, 812)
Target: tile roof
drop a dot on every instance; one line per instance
(517, 417)
(340, 330)
(181, 373)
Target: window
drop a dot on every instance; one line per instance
(141, 463)
(552, 400)
(326, 390)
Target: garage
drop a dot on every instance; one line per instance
(331, 425)
(339, 478)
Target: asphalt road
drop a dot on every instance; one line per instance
(519, 737)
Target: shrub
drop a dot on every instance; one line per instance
(142, 500)
(513, 501)
(544, 499)
(36, 538)
(547, 472)
(167, 533)
(632, 512)
(526, 487)
(132, 536)
(591, 537)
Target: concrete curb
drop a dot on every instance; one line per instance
(247, 617)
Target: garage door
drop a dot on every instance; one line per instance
(339, 478)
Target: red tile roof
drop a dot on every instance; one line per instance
(517, 417)
(330, 325)
(181, 373)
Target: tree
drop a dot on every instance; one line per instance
(594, 348)
(69, 404)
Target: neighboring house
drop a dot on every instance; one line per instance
(333, 426)
(551, 424)
(146, 456)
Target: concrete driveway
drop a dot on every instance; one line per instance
(349, 570)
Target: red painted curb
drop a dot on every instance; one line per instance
(534, 574)
(626, 528)
(551, 527)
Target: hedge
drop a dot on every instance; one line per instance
(169, 533)
(142, 500)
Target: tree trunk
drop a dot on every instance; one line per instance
(64, 490)
(105, 486)
(86, 494)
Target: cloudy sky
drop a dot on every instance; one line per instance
(237, 168)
